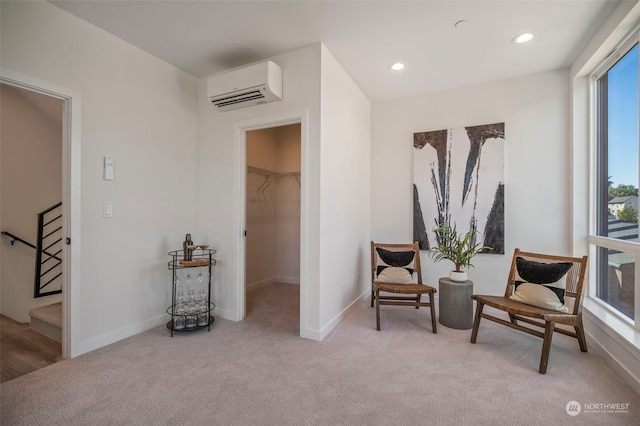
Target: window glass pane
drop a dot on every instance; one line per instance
(617, 181)
(616, 279)
(621, 133)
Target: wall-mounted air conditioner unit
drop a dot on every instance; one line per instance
(244, 87)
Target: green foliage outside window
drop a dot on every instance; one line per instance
(628, 214)
(621, 190)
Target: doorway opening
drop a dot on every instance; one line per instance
(70, 185)
(272, 224)
(31, 222)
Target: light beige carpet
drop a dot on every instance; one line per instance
(47, 320)
(259, 372)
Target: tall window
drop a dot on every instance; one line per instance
(617, 157)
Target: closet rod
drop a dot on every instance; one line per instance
(270, 173)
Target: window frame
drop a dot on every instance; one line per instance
(596, 239)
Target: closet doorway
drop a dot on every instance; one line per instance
(272, 244)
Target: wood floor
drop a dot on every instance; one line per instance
(23, 350)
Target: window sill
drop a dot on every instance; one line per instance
(619, 329)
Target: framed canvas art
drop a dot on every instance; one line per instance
(458, 178)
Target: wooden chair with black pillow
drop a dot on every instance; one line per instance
(538, 289)
(395, 269)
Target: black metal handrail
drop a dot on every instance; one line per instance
(27, 243)
(49, 233)
(14, 239)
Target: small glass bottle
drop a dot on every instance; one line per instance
(203, 316)
(179, 319)
(188, 281)
(192, 310)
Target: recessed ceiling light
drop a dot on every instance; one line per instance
(397, 66)
(461, 23)
(522, 38)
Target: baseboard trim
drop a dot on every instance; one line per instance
(619, 355)
(117, 335)
(225, 314)
(274, 279)
(287, 280)
(260, 283)
(319, 335)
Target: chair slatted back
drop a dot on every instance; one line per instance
(417, 269)
(575, 275)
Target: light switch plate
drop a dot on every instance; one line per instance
(109, 168)
(107, 210)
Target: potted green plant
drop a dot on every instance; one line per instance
(457, 248)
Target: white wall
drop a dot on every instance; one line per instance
(345, 193)
(537, 203)
(142, 111)
(335, 186)
(221, 176)
(262, 152)
(31, 181)
(288, 206)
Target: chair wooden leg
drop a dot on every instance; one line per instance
(546, 346)
(377, 296)
(372, 296)
(513, 319)
(476, 321)
(418, 297)
(582, 341)
(433, 314)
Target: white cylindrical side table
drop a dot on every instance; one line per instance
(455, 303)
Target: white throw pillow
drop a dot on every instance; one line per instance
(394, 275)
(538, 295)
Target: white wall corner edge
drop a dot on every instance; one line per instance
(319, 335)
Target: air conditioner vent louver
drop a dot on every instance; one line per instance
(230, 100)
(243, 87)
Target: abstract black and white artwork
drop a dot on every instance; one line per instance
(458, 178)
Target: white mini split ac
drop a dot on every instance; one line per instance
(244, 87)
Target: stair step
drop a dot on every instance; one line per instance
(47, 320)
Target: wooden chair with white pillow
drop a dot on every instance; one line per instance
(395, 269)
(542, 290)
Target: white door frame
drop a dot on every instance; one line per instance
(239, 226)
(71, 196)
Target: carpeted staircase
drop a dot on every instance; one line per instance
(47, 320)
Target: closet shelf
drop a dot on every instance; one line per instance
(270, 176)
